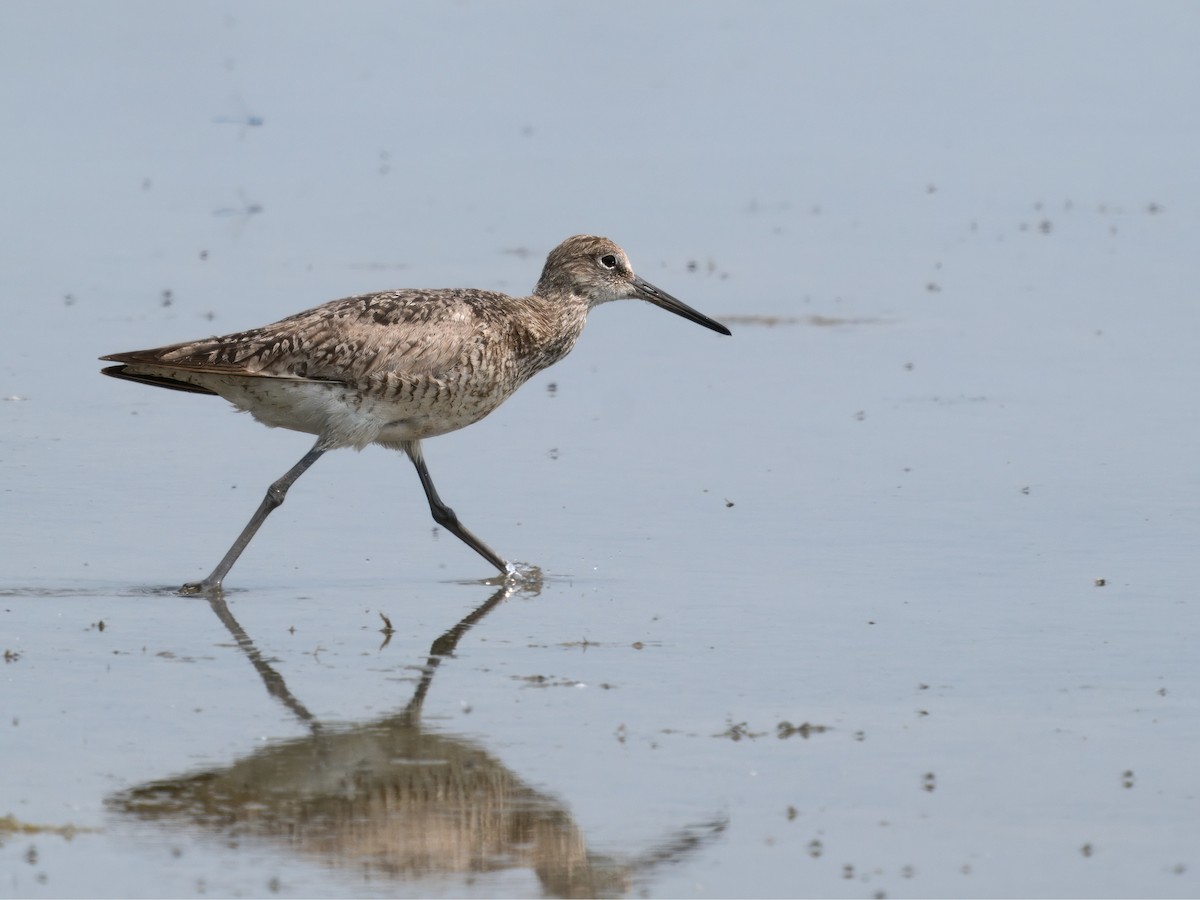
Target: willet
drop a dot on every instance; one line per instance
(397, 367)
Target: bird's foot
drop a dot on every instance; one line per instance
(523, 576)
(192, 588)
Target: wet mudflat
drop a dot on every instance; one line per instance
(889, 594)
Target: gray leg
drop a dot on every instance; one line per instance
(273, 499)
(444, 515)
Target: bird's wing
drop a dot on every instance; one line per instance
(409, 333)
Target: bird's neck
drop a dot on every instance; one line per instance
(554, 324)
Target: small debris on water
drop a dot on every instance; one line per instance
(11, 825)
(739, 731)
(806, 730)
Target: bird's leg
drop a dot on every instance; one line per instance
(444, 515)
(274, 499)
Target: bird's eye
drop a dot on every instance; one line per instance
(608, 261)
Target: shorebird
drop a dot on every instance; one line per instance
(396, 367)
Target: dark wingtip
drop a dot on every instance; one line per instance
(162, 381)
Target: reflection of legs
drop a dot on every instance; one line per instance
(444, 515)
(444, 645)
(276, 686)
(273, 500)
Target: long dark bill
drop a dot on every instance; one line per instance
(663, 300)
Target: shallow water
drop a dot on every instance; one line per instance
(890, 593)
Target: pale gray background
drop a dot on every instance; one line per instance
(992, 209)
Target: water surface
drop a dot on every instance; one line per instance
(889, 594)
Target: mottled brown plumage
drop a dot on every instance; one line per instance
(396, 367)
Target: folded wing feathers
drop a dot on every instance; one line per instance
(401, 333)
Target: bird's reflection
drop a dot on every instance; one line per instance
(389, 799)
